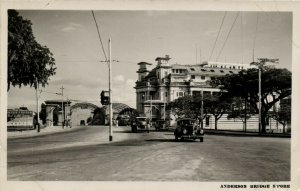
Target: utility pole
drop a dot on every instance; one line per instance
(260, 64)
(110, 93)
(67, 113)
(245, 113)
(150, 111)
(37, 105)
(62, 106)
(259, 99)
(201, 108)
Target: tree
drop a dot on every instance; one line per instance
(217, 106)
(190, 106)
(283, 115)
(28, 61)
(187, 106)
(240, 110)
(275, 85)
(43, 114)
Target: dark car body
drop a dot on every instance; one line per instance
(188, 129)
(139, 123)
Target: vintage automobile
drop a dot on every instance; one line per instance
(187, 128)
(139, 123)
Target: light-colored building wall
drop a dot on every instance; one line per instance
(167, 82)
(79, 114)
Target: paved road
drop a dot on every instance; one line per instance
(83, 155)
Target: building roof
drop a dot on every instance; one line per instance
(140, 63)
(152, 73)
(167, 57)
(153, 101)
(200, 70)
(84, 104)
(117, 107)
(57, 101)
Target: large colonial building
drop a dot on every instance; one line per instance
(167, 82)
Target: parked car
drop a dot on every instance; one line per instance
(139, 123)
(187, 128)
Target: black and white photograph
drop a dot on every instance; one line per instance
(149, 96)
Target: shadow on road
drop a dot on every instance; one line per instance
(126, 131)
(171, 140)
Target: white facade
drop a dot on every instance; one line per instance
(167, 82)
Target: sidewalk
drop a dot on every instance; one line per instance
(242, 133)
(43, 131)
(101, 137)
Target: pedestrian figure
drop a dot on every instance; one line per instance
(148, 126)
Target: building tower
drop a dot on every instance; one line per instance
(141, 94)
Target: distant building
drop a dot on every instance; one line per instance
(82, 113)
(167, 82)
(20, 119)
(118, 110)
(57, 111)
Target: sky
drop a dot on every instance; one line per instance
(187, 36)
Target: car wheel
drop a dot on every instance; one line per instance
(201, 139)
(176, 137)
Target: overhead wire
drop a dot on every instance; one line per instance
(217, 35)
(99, 35)
(227, 36)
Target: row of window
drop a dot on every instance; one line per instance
(230, 67)
(178, 71)
(182, 93)
(195, 93)
(202, 77)
(181, 71)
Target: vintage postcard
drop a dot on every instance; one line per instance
(151, 95)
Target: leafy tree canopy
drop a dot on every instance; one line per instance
(28, 61)
(275, 85)
(190, 106)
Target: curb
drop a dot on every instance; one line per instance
(242, 134)
(42, 134)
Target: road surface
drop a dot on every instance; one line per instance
(85, 154)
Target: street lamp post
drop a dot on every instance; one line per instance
(37, 106)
